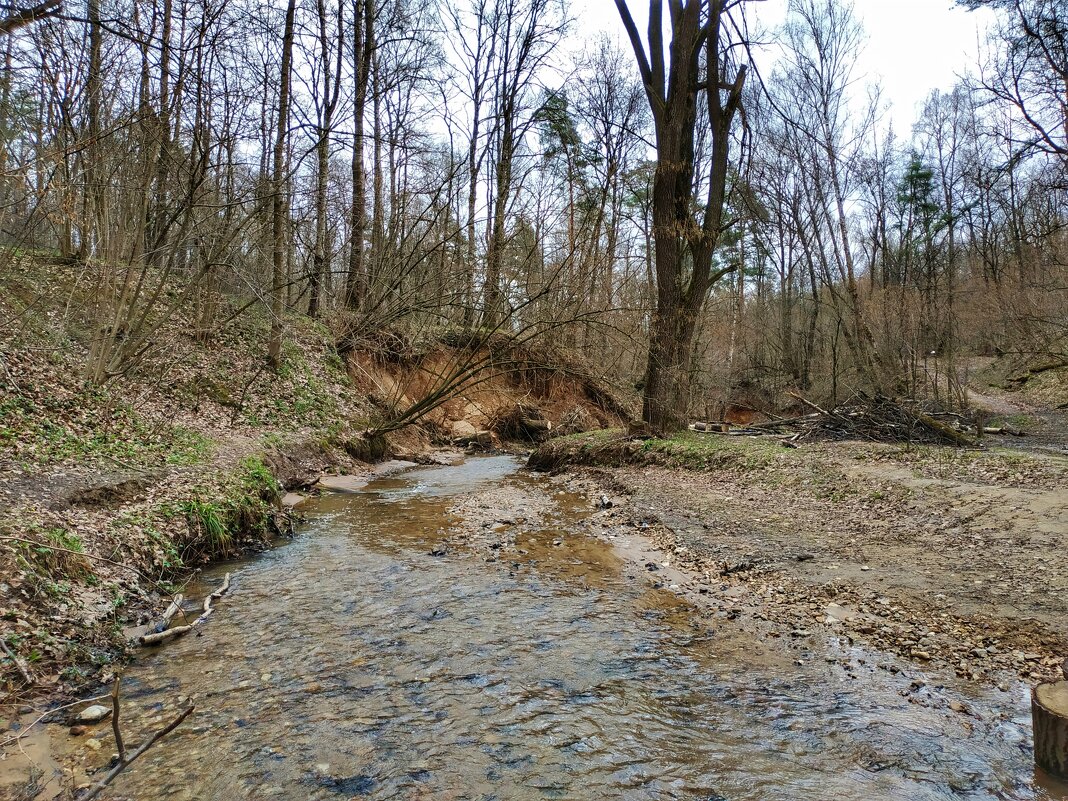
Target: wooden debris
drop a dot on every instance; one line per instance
(1049, 716)
(173, 609)
(715, 427)
(1004, 431)
(162, 636)
(876, 419)
(124, 761)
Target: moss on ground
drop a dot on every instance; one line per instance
(686, 449)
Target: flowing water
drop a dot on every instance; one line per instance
(353, 663)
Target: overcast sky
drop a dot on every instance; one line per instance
(913, 47)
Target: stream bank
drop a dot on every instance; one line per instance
(112, 496)
(477, 632)
(950, 559)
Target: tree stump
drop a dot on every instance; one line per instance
(1049, 717)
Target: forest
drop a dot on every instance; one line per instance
(283, 282)
(417, 168)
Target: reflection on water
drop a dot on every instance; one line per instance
(352, 663)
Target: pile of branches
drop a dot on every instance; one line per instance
(876, 419)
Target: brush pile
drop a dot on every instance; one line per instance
(875, 419)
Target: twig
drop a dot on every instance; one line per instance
(125, 763)
(26, 675)
(92, 557)
(51, 547)
(115, 720)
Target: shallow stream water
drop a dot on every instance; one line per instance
(353, 663)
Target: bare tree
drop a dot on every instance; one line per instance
(279, 221)
(363, 47)
(1030, 70)
(698, 63)
(327, 90)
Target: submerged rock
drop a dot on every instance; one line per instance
(93, 714)
(342, 483)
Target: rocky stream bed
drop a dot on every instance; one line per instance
(479, 632)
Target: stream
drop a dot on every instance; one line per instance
(351, 662)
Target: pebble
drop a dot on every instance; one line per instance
(77, 731)
(93, 714)
(92, 744)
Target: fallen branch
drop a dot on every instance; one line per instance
(124, 761)
(162, 636)
(119, 744)
(26, 676)
(172, 610)
(809, 403)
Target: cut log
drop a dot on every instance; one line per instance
(717, 427)
(480, 439)
(1049, 718)
(1008, 430)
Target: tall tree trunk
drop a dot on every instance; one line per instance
(278, 184)
(682, 241)
(471, 251)
(91, 197)
(378, 220)
(155, 227)
(356, 290)
(328, 104)
(494, 298)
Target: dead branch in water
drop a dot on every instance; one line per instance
(172, 610)
(119, 744)
(162, 636)
(124, 761)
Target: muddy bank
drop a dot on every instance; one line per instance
(89, 554)
(470, 632)
(950, 559)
